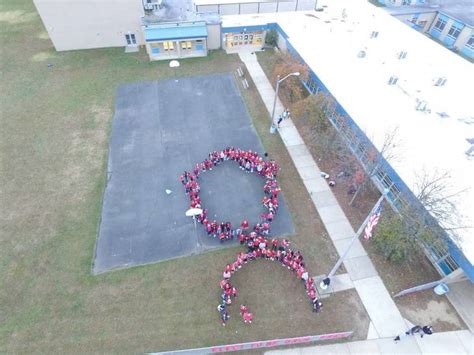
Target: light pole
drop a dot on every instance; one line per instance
(279, 81)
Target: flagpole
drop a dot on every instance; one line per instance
(325, 282)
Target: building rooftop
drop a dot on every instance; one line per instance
(431, 141)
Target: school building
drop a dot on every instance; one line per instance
(382, 75)
(168, 29)
(450, 22)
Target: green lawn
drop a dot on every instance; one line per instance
(54, 141)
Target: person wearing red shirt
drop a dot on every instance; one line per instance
(312, 294)
(248, 317)
(235, 293)
(244, 225)
(243, 309)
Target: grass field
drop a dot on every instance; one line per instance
(55, 124)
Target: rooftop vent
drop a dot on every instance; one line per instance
(361, 54)
(467, 120)
(402, 55)
(422, 106)
(470, 151)
(440, 81)
(374, 34)
(393, 80)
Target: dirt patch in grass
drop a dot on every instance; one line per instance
(413, 273)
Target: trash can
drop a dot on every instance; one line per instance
(441, 289)
(273, 128)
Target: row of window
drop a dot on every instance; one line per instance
(169, 46)
(453, 32)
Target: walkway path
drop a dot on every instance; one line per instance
(386, 320)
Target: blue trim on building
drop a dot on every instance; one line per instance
(175, 31)
(436, 32)
(467, 51)
(244, 29)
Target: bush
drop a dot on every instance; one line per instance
(271, 38)
(392, 239)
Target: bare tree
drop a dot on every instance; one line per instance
(437, 194)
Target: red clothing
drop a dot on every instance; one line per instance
(248, 316)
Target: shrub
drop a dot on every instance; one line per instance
(271, 38)
(392, 239)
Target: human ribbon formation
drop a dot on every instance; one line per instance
(256, 239)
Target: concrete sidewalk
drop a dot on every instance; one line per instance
(386, 320)
(458, 342)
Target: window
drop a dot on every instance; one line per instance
(470, 43)
(454, 32)
(168, 45)
(440, 24)
(130, 38)
(374, 34)
(393, 80)
(312, 86)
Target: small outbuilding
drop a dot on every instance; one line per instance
(176, 40)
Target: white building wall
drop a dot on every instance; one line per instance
(287, 6)
(229, 9)
(268, 7)
(80, 24)
(306, 5)
(207, 8)
(214, 36)
(248, 8)
(463, 37)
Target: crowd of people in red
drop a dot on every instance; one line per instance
(274, 250)
(255, 239)
(248, 161)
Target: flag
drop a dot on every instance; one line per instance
(373, 220)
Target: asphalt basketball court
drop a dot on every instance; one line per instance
(159, 130)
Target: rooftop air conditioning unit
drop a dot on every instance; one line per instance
(393, 80)
(422, 106)
(440, 81)
(402, 55)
